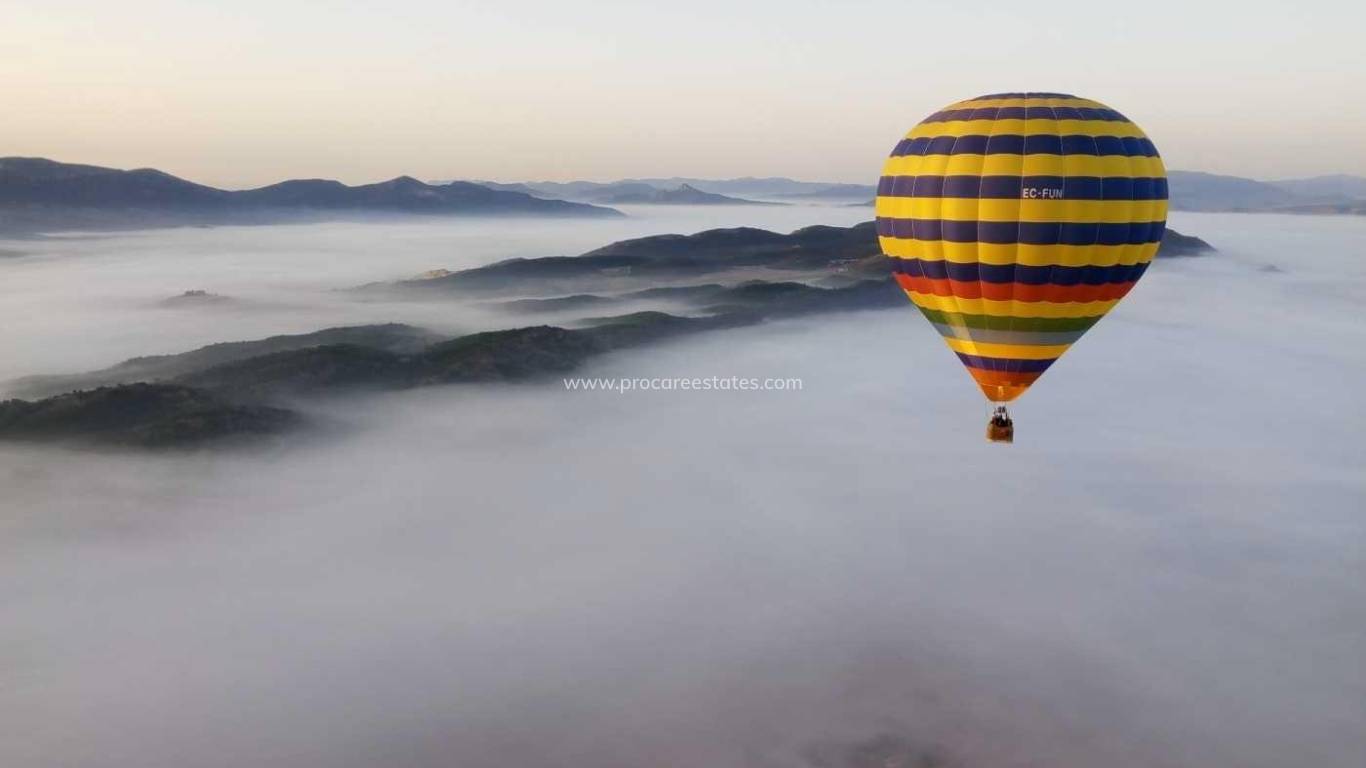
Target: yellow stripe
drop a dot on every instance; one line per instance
(1025, 255)
(1150, 210)
(1109, 166)
(1015, 209)
(1026, 128)
(1017, 351)
(1068, 309)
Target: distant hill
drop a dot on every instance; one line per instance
(141, 415)
(516, 187)
(243, 390)
(817, 251)
(36, 193)
(664, 256)
(1334, 188)
(393, 338)
(859, 192)
(1349, 207)
(38, 181)
(1195, 191)
(683, 194)
(744, 188)
(747, 186)
(1189, 191)
(1175, 244)
(630, 192)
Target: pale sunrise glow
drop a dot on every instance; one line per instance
(248, 93)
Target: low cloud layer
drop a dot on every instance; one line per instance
(1165, 569)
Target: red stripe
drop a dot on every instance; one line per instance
(1056, 294)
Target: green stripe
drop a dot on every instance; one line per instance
(1015, 336)
(998, 323)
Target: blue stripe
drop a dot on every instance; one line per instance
(1012, 187)
(1031, 95)
(1026, 113)
(1005, 364)
(938, 269)
(1025, 232)
(1034, 144)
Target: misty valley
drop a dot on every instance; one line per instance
(712, 280)
(318, 493)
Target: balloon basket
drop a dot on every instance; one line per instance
(1000, 427)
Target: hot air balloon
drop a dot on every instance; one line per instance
(1014, 222)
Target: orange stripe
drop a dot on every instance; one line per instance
(1002, 387)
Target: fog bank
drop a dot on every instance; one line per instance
(1164, 570)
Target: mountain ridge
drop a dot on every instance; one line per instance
(1190, 191)
(244, 390)
(815, 249)
(627, 192)
(38, 193)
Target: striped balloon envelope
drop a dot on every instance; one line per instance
(1015, 221)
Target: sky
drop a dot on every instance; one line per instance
(246, 93)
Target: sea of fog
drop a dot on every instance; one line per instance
(77, 300)
(1166, 569)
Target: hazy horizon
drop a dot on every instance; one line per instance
(609, 180)
(259, 92)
